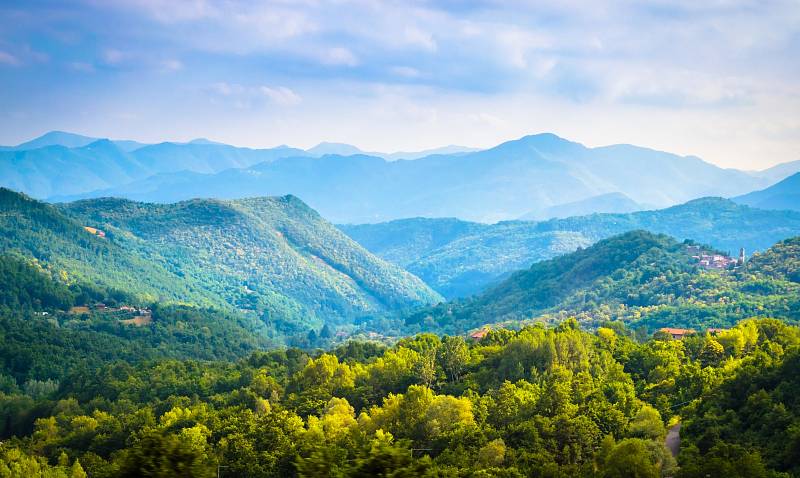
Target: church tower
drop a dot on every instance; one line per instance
(741, 256)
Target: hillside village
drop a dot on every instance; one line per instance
(125, 314)
(714, 261)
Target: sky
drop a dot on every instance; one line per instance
(719, 79)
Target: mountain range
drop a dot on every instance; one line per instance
(504, 182)
(459, 258)
(783, 195)
(640, 278)
(272, 259)
(603, 203)
(538, 176)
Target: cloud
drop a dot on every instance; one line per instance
(339, 56)
(113, 56)
(250, 97)
(281, 95)
(415, 36)
(8, 59)
(171, 65)
(549, 63)
(405, 71)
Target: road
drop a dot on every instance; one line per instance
(673, 440)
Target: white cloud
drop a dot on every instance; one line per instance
(487, 119)
(281, 95)
(339, 56)
(415, 36)
(171, 65)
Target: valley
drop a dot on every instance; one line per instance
(191, 335)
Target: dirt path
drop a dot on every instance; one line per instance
(673, 440)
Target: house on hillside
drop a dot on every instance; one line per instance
(677, 334)
(479, 335)
(714, 331)
(709, 261)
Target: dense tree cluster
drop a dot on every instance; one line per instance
(534, 402)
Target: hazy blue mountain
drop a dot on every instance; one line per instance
(500, 183)
(603, 203)
(56, 138)
(343, 149)
(779, 172)
(53, 170)
(68, 140)
(459, 258)
(59, 171)
(205, 157)
(783, 195)
(451, 149)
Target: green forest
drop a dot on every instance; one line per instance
(645, 280)
(272, 262)
(127, 355)
(535, 402)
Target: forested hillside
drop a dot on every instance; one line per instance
(557, 402)
(272, 259)
(459, 258)
(643, 279)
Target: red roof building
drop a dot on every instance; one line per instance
(479, 334)
(677, 334)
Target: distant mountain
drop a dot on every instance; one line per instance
(459, 258)
(59, 171)
(603, 203)
(640, 278)
(56, 138)
(451, 149)
(779, 172)
(54, 170)
(272, 259)
(783, 195)
(504, 182)
(67, 140)
(342, 149)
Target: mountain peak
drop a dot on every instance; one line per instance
(105, 145)
(56, 138)
(547, 143)
(203, 141)
(341, 149)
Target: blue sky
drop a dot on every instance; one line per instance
(719, 79)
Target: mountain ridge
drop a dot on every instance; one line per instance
(468, 256)
(272, 259)
(499, 183)
(784, 195)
